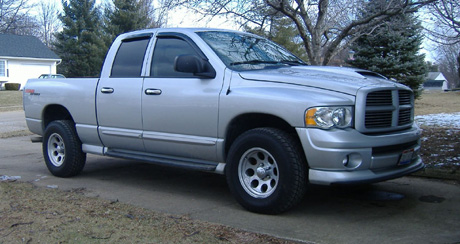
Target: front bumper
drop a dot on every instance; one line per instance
(349, 157)
(363, 176)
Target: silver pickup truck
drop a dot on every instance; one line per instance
(231, 103)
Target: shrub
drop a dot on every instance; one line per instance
(12, 86)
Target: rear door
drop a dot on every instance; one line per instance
(119, 97)
(180, 110)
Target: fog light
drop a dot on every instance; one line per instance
(345, 161)
(352, 160)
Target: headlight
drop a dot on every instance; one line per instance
(328, 117)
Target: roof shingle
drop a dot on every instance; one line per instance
(24, 46)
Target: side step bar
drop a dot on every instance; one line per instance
(36, 139)
(168, 161)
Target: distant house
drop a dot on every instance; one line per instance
(24, 57)
(435, 81)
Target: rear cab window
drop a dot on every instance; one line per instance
(130, 57)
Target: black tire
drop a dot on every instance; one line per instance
(62, 149)
(266, 171)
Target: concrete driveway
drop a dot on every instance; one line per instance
(406, 210)
(12, 121)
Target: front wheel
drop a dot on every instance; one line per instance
(266, 172)
(62, 149)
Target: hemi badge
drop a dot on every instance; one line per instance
(32, 92)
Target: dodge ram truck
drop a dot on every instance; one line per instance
(231, 103)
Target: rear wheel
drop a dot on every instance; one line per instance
(266, 172)
(62, 149)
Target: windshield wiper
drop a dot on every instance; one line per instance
(255, 61)
(292, 62)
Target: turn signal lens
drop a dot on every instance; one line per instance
(310, 117)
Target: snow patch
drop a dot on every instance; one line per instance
(439, 120)
(9, 178)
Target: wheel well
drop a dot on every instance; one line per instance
(247, 122)
(55, 112)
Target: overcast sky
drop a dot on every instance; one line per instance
(184, 18)
(178, 18)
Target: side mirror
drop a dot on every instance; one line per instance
(195, 65)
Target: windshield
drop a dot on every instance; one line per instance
(248, 52)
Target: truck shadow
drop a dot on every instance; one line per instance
(377, 199)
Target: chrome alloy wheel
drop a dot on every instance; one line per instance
(56, 149)
(258, 173)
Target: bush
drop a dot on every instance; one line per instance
(12, 86)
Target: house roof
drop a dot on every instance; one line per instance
(25, 47)
(435, 76)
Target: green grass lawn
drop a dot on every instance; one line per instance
(10, 100)
(438, 102)
(429, 102)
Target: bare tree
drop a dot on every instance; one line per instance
(48, 19)
(446, 26)
(160, 11)
(157, 14)
(326, 27)
(15, 17)
(445, 32)
(447, 58)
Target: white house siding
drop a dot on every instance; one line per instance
(20, 70)
(445, 86)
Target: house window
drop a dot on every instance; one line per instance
(3, 68)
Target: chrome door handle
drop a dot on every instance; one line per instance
(152, 91)
(107, 90)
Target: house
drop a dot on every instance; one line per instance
(24, 57)
(435, 81)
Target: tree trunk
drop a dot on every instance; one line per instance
(458, 70)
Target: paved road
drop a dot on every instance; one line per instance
(406, 210)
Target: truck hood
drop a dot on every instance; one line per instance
(345, 80)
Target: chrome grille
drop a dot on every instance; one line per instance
(379, 98)
(405, 97)
(378, 119)
(384, 110)
(405, 117)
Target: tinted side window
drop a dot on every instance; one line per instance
(165, 52)
(130, 57)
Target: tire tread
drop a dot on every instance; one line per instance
(74, 154)
(297, 189)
